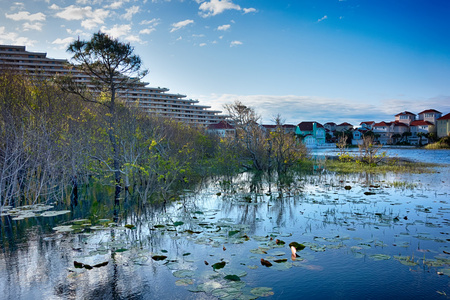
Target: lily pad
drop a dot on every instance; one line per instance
(184, 282)
(232, 278)
(159, 257)
(262, 291)
(183, 273)
(297, 246)
(380, 257)
(54, 213)
(219, 265)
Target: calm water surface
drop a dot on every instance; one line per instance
(365, 237)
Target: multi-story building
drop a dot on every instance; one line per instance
(430, 115)
(155, 100)
(405, 117)
(443, 126)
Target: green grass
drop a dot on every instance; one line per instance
(393, 166)
(438, 145)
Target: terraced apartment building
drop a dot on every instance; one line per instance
(154, 100)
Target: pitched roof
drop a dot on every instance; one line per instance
(382, 123)
(308, 126)
(445, 117)
(397, 123)
(345, 124)
(330, 123)
(405, 113)
(420, 122)
(430, 111)
(221, 125)
(288, 126)
(368, 123)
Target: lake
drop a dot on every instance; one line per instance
(362, 236)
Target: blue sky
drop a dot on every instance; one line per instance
(308, 60)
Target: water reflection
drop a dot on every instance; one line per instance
(361, 221)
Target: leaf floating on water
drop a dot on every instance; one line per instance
(178, 223)
(262, 291)
(233, 232)
(129, 226)
(406, 260)
(265, 262)
(159, 257)
(258, 251)
(101, 264)
(65, 228)
(380, 257)
(232, 278)
(280, 260)
(279, 242)
(54, 213)
(159, 226)
(297, 246)
(369, 193)
(186, 254)
(183, 273)
(184, 282)
(78, 264)
(219, 265)
(347, 187)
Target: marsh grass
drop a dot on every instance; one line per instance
(436, 146)
(389, 166)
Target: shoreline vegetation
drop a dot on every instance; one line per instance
(57, 136)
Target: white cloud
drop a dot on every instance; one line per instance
(74, 32)
(18, 6)
(90, 18)
(32, 26)
(215, 7)
(323, 18)
(72, 13)
(63, 43)
(130, 12)
(249, 10)
(11, 38)
(152, 24)
(202, 45)
(133, 39)
(147, 31)
(54, 7)
(115, 5)
(235, 43)
(224, 27)
(181, 24)
(153, 21)
(26, 16)
(117, 31)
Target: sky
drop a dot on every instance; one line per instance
(306, 60)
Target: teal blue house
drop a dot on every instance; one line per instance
(311, 133)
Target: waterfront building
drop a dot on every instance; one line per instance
(430, 115)
(312, 133)
(405, 117)
(443, 126)
(344, 127)
(154, 100)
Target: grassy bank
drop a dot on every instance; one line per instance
(391, 165)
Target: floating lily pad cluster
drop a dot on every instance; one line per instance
(30, 211)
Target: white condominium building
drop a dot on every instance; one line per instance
(154, 100)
